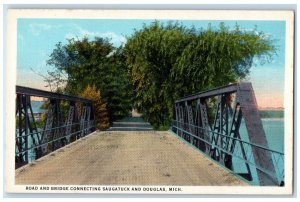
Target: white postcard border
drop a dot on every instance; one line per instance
(287, 16)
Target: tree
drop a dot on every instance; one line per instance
(150, 55)
(99, 106)
(117, 86)
(216, 57)
(97, 63)
(55, 80)
(167, 62)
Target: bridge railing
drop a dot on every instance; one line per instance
(64, 120)
(224, 124)
(234, 147)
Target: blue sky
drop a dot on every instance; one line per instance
(36, 38)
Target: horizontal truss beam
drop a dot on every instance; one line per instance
(214, 92)
(46, 94)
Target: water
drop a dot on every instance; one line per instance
(274, 130)
(36, 106)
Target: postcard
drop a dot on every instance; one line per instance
(149, 101)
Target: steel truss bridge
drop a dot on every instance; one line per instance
(222, 123)
(211, 121)
(68, 119)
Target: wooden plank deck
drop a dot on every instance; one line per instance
(126, 158)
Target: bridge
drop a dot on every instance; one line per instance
(216, 138)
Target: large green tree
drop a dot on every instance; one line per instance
(95, 62)
(170, 61)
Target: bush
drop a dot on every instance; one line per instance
(99, 106)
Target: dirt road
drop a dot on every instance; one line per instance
(120, 158)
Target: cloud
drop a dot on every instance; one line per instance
(70, 36)
(114, 38)
(37, 28)
(264, 36)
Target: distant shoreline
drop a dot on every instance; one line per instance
(271, 113)
(264, 113)
(270, 108)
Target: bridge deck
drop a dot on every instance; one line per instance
(122, 158)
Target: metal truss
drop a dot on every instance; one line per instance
(211, 121)
(26, 129)
(67, 119)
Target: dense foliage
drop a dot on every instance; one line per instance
(159, 64)
(97, 63)
(99, 106)
(170, 61)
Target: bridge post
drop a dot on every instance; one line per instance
(82, 121)
(46, 135)
(189, 112)
(22, 135)
(205, 125)
(88, 119)
(92, 119)
(263, 158)
(69, 121)
(237, 116)
(176, 119)
(218, 133)
(181, 120)
(198, 122)
(58, 122)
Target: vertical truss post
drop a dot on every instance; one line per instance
(189, 112)
(234, 132)
(88, 120)
(19, 138)
(69, 121)
(263, 158)
(57, 143)
(205, 125)
(26, 127)
(77, 119)
(47, 131)
(82, 121)
(176, 119)
(198, 122)
(221, 129)
(181, 120)
(22, 134)
(184, 121)
(34, 135)
(92, 118)
(214, 151)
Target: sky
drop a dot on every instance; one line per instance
(36, 39)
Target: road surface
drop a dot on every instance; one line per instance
(126, 158)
